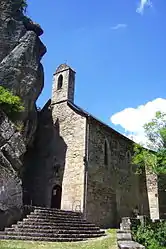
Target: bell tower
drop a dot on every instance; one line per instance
(63, 84)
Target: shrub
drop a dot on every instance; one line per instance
(10, 103)
(152, 236)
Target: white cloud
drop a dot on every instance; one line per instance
(133, 119)
(142, 5)
(119, 26)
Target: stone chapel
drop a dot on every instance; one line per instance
(79, 163)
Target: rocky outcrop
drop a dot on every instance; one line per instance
(12, 148)
(21, 51)
(21, 71)
(13, 26)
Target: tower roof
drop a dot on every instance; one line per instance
(62, 68)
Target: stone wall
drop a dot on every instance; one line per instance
(66, 91)
(56, 158)
(72, 129)
(44, 162)
(153, 194)
(113, 189)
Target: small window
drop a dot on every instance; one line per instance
(128, 156)
(105, 153)
(60, 82)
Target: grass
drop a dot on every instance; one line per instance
(108, 242)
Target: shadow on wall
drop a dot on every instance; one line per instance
(162, 195)
(143, 205)
(44, 163)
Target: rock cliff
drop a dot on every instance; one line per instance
(21, 71)
(12, 148)
(21, 51)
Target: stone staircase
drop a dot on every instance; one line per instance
(47, 224)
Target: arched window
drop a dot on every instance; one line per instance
(60, 82)
(128, 156)
(105, 153)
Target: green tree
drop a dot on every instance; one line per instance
(10, 103)
(154, 157)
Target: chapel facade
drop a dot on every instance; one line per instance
(81, 164)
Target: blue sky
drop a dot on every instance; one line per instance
(119, 54)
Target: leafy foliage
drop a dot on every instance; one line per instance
(24, 5)
(152, 236)
(154, 157)
(10, 103)
(156, 131)
(21, 4)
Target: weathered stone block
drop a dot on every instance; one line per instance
(126, 223)
(124, 236)
(129, 245)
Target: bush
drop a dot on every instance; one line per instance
(152, 236)
(10, 103)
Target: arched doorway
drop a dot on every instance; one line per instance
(56, 197)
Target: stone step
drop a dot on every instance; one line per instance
(53, 235)
(53, 221)
(123, 231)
(63, 215)
(46, 224)
(54, 210)
(52, 217)
(56, 226)
(53, 231)
(129, 245)
(25, 238)
(57, 211)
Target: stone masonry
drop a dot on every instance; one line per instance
(72, 127)
(111, 185)
(153, 195)
(63, 157)
(89, 161)
(88, 184)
